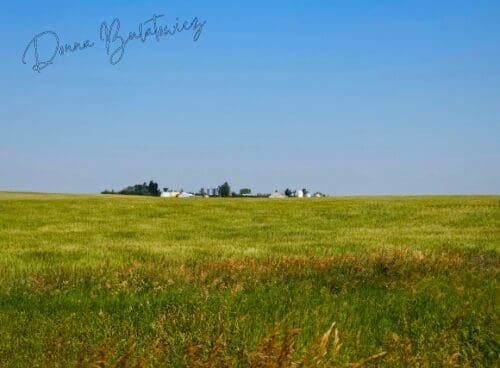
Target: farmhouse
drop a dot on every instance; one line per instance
(170, 194)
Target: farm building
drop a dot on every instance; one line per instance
(170, 194)
(277, 195)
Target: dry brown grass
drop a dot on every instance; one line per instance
(276, 350)
(397, 265)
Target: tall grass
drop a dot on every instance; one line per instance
(96, 281)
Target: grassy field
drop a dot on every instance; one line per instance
(109, 281)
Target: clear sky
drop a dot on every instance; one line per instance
(345, 97)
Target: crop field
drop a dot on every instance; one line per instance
(112, 281)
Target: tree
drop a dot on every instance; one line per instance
(304, 190)
(202, 192)
(244, 191)
(153, 188)
(225, 190)
(288, 192)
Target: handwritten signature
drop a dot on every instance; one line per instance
(115, 42)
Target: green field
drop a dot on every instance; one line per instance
(110, 281)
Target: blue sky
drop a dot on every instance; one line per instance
(345, 97)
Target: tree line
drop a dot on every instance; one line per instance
(152, 189)
(144, 189)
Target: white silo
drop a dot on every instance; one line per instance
(300, 194)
